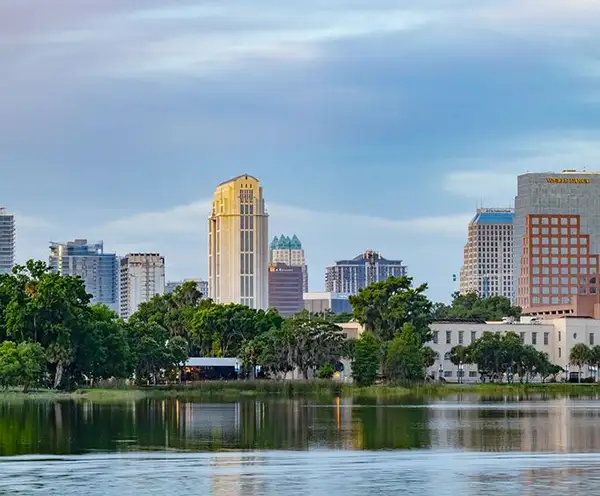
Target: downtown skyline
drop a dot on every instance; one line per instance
(381, 127)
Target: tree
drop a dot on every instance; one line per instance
(487, 353)
(384, 307)
(174, 311)
(404, 360)
(472, 306)
(220, 330)
(10, 368)
(580, 355)
(32, 361)
(21, 364)
(429, 356)
(594, 360)
(366, 359)
(312, 341)
(47, 308)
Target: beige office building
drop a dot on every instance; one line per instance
(238, 244)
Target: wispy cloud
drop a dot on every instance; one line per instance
(493, 178)
(180, 234)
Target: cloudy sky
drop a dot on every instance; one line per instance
(371, 124)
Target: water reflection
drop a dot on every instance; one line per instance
(461, 422)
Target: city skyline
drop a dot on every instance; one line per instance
(383, 124)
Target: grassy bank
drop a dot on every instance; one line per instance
(289, 389)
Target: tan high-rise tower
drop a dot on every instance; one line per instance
(238, 246)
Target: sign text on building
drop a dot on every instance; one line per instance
(568, 180)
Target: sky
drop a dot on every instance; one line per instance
(372, 124)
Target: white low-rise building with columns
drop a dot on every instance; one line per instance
(556, 337)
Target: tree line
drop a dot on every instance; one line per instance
(504, 355)
(51, 335)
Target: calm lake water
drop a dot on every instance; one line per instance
(464, 445)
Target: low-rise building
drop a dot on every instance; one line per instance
(324, 301)
(556, 337)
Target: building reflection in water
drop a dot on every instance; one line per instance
(561, 425)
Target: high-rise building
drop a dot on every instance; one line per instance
(488, 267)
(285, 288)
(142, 278)
(286, 250)
(238, 244)
(349, 276)
(556, 237)
(7, 241)
(201, 286)
(98, 270)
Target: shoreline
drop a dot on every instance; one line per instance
(298, 389)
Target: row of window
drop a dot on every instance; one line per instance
(534, 338)
(564, 270)
(563, 250)
(535, 220)
(473, 337)
(559, 241)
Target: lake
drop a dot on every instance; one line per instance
(462, 445)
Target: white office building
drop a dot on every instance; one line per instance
(142, 278)
(7, 241)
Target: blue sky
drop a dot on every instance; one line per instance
(371, 124)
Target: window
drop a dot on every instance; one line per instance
(546, 338)
(472, 373)
(591, 339)
(554, 220)
(461, 335)
(473, 336)
(448, 337)
(573, 221)
(522, 337)
(436, 335)
(559, 336)
(447, 373)
(534, 338)
(559, 353)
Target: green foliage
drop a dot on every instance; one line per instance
(366, 359)
(21, 364)
(580, 355)
(472, 306)
(458, 354)
(305, 341)
(404, 360)
(325, 371)
(496, 354)
(384, 307)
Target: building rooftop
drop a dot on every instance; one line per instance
(494, 216)
(285, 243)
(246, 176)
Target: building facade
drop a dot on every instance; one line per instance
(142, 277)
(201, 285)
(554, 336)
(289, 251)
(98, 270)
(238, 244)
(327, 301)
(488, 254)
(285, 289)
(350, 276)
(7, 241)
(556, 237)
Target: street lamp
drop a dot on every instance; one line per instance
(441, 371)
(567, 373)
(460, 372)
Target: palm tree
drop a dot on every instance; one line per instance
(579, 356)
(595, 360)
